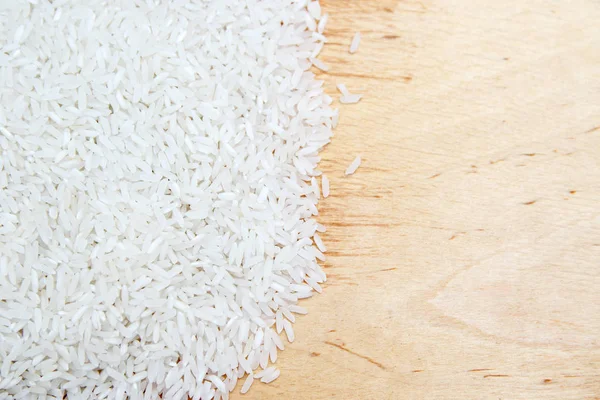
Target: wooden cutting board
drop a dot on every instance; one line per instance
(464, 254)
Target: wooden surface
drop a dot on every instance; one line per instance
(464, 256)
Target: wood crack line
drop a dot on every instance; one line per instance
(369, 359)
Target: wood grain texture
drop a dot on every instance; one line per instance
(464, 253)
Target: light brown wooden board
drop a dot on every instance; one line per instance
(464, 254)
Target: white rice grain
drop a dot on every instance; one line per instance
(322, 23)
(319, 64)
(247, 384)
(289, 331)
(325, 186)
(270, 377)
(350, 99)
(314, 8)
(343, 90)
(319, 243)
(353, 166)
(355, 43)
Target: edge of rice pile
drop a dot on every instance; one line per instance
(156, 211)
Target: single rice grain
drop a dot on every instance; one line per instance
(325, 186)
(319, 64)
(343, 89)
(350, 98)
(355, 43)
(353, 166)
(247, 384)
(314, 9)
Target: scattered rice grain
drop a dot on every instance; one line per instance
(355, 43)
(353, 166)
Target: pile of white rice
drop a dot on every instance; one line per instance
(156, 227)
